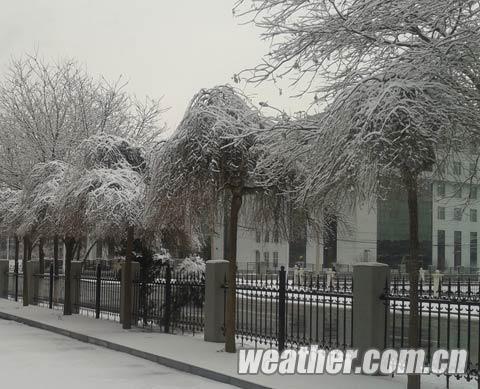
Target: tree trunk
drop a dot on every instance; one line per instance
(127, 319)
(69, 255)
(41, 256)
(55, 254)
(17, 253)
(26, 245)
(232, 270)
(79, 249)
(85, 257)
(413, 266)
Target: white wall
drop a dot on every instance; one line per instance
(314, 253)
(247, 245)
(358, 241)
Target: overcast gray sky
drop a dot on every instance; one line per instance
(164, 48)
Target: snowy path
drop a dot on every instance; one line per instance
(33, 358)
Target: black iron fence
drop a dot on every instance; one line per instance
(48, 292)
(96, 294)
(448, 318)
(15, 285)
(99, 294)
(294, 311)
(172, 302)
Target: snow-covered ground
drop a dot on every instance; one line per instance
(32, 358)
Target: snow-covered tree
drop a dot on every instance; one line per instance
(48, 109)
(10, 202)
(38, 211)
(400, 82)
(104, 194)
(210, 160)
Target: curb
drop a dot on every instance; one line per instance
(168, 362)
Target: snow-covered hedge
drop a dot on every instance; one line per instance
(192, 265)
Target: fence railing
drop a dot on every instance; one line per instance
(15, 285)
(448, 318)
(49, 289)
(99, 294)
(172, 302)
(294, 311)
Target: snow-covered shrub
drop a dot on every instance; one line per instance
(191, 265)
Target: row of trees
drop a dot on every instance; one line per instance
(81, 158)
(72, 158)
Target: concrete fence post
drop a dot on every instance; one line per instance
(215, 275)
(135, 277)
(33, 267)
(4, 278)
(369, 280)
(75, 284)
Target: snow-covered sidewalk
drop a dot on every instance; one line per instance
(34, 358)
(194, 355)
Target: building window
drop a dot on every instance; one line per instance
(441, 213)
(457, 168)
(275, 259)
(441, 250)
(473, 249)
(457, 248)
(267, 236)
(441, 189)
(457, 214)
(258, 236)
(266, 257)
(473, 215)
(473, 192)
(257, 256)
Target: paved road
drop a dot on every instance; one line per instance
(32, 358)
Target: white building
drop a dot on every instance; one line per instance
(448, 224)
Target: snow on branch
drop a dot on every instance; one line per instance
(110, 152)
(111, 199)
(321, 43)
(10, 201)
(387, 126)
(39, 204)
(105, 191)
